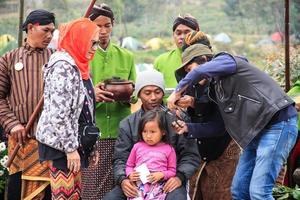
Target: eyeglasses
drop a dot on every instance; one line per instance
(95, 44)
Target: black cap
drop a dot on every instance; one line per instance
(40, 16)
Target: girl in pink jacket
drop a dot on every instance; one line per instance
(152, 160)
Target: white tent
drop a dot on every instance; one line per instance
(223, 38)
(131, 43)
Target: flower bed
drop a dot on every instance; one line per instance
(3, 169)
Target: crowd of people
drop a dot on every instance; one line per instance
(225, 132)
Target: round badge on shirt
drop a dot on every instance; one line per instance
(19, 66)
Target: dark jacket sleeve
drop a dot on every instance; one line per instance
(205, 129)
(123, 146)
(213, 127)
(188, 157)
(222, 65)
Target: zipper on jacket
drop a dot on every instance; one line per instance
(219, 90)
(248, 98)
(211, 98)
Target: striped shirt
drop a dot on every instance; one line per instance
(21, 84)
(21, 87)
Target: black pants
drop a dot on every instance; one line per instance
(14, 188)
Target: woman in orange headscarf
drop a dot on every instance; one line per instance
(66, 131)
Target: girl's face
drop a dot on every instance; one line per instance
(152, 134)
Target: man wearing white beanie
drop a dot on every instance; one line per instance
(150, 88)
(149, 77)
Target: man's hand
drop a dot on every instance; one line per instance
(18, 133)
(102, 95)
(129, 188)
(172, 184)
(180, 127)
(174, 97)
(155, 177)
(134, 176)
(186, 101)
(172, 100)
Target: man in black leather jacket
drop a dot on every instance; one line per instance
(150, 89)
(257, 114)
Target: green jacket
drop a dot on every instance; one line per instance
(295, 91)
(115, 61)
(167, 63)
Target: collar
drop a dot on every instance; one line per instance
(102, 51)
(30, 50)
(142, 110)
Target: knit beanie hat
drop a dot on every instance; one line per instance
(149, 77)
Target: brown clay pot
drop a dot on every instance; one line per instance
(122, 89)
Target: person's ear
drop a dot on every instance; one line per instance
(30, 27)
(204, 59)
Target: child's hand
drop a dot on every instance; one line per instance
(155, 177)
(134, 176)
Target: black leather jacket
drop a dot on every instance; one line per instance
(188, 158)
(247, 100)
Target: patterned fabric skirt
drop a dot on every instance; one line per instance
(35, 175)
(214, 179)
(98, 180)
(151, 191)
(65, 186)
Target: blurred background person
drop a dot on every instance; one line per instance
(168, 62)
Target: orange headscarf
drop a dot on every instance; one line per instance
(75, 38)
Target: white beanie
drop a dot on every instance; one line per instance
(149, 77)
